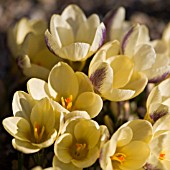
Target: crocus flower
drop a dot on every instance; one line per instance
(73, 91)
(78, 145)
(113, 75)
(27, 45)
(159, 145)
(74, 37)
(35, 124)
(158, 101)
(147, 58)
(128, 147)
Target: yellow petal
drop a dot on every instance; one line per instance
(122, 70)
(62, 148)
(87, 131)
(89, 102)
(24, 147)
(74, 16)
(63, 81)
(33, 84)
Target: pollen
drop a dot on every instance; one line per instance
(67, 102)
(162, 156)
(120, 157)
(38, 132)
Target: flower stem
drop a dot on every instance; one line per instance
(20, 160)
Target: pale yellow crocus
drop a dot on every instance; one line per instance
(113, 75)
(78, 145)
(158, 101)
(74, 37)
(35, 124)
(128, 147)
(27, 44)
(73, 90)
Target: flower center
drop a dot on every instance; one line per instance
(80, 151)
(162, 156)
(38, 132)
(120, 157)
(67, 102)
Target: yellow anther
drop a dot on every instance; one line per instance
(38, 132)
(162, 156)
(120, 157)
(67, 102)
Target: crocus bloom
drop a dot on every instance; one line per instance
(35, 124)
(158, 101)
(113, 75)
(159, 145)
(74, 37)
(27, 45)
(128, 147)
(73, 91)
(136, 45)
(78, 145)
(116, 24)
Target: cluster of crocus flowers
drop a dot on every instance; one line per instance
(61, 102)
(27, 45)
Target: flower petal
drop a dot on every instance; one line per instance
(87, 131)
(24, 147)
(33, 84)
(22, 104)
(62, 148)
(89, 102)
(18, 127)
(63, 81)
(74, 16)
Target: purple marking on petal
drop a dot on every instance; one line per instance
(149, 166)
(108, 19)
(125, 39)
(103, 37)
(97, 78)
(157, 115)
(159, 78)
(48, 45)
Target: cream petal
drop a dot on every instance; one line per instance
(63, 81)
(62, 148)
(18, 127)
(74, 16)
(85, 84)
(142, 130)
(43, 114)
(123, 136)
(144, 57)
(60, 29)
(137, 83)
(99, 38)
(90, 159)
(101, 76)
(114, 22)
(63, 166)
(130, 40)
(166, 33)
(122, 70)
(87, 131)
(162, 124)
(22, 104)
(89, 27)
(159, 46)
(33, 84)
(89, 102)
(75, 52)
(136, 153)
(24, 147)
(118, 94)
(164, 88)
